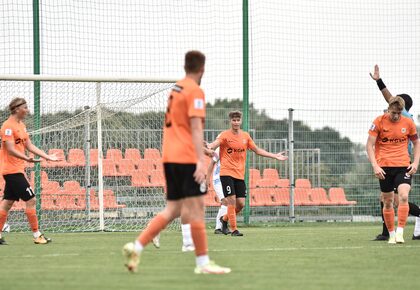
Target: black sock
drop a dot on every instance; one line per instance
(414, 209)
(384, 228)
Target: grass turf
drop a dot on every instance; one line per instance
(309, 256)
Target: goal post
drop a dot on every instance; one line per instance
(97, 124)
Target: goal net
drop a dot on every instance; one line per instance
(108, 135)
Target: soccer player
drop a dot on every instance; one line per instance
(14, 141)
(387, 151)
(233, 145)
(183, 160)
(213, 175)
(414, 209)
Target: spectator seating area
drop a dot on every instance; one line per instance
(139, 171)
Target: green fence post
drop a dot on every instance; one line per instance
(37, 102)
(245, 100)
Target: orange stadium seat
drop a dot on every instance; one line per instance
(302, 183)
(146, 165)
(283, 182)
(338, 196)
(73, 187)
(134, 155)
(140, 178)
(109, 168)
(152, 154)
(157, 178)
(110, 201)
(265, 182)
(76, 157)
(302, 196)
(51, 187)
(270, 173)
(114, 154)
(254, 176)
(126, 167)
(319, 196)
(281, 196)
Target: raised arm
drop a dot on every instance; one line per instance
(376, 77)
(214, 145)
(281, 156)
(370, 149)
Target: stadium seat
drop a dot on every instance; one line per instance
(70, 201)
(140, 178)
(51, 187)
(110, 200)
(283, 182)
(60, 154)
(109, 168)
(319, 196)
(261, 197)
(94, 153)
(114, 154)
(270, 173)
(146, 166)
(302, 183)
(302, 196)
(73, 187)
(338, 196)
(157, 178)
(281, 196)
(76, 157)
(134, 155)
(50, 201)
(152, 154)
(266, 182)
(126, 167)
(254, 176)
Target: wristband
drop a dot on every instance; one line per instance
(380, 84)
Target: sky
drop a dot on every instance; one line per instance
(312, 56)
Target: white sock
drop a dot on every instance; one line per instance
(391, 234)
(417, 227)
(37, 234)
(202, 260)
(186, 235)
(138, 247)
(222, 211)
(400, 230)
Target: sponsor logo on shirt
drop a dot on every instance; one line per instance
(198, 104)
(8, 132)
(393, 140)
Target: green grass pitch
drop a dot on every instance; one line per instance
(303, 256)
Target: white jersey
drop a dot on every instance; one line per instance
(216, 170)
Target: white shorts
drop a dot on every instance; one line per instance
(217, 185)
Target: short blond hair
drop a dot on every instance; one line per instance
(16, 103)
(235, 114)
(397, 103)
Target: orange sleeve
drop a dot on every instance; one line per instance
(374, 128)
(251, 143)
(196, 104)
(7, 133)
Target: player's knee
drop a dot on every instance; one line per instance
(31, 203)
(6, 205)
(403, 198)
(224, 202)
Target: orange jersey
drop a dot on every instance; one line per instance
(392, 140)
(186, 101)
(233, 153)
(15, 132)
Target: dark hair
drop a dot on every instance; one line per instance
(408, 101)
(194, 61)
(235, 114)
(15, 103)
